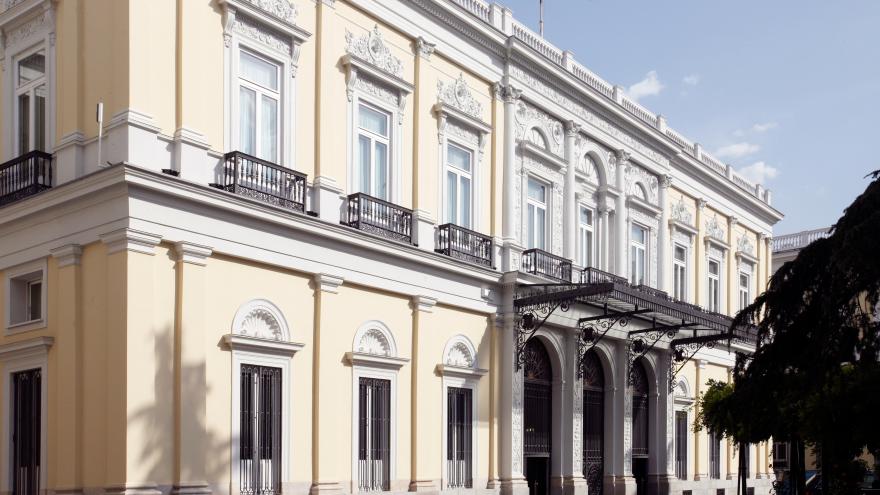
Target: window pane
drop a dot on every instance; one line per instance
(31, 68)
(540, 221)
(247, 115)
(587, 240)
(381, 173)
(679, 253)
(24, 123)
(373, 121)
(451, 197)
(531, 237)
(586, 216)
(258, 71)
(744, 280)
(536, 191)
(458, 158)
(638, 234)
(713, 267)
(269, 130)
(40, 118)
(465, 220)
(35, 300)
(364, 163)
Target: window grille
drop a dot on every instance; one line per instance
(681, 445)
(538, 376)
(459, 442)
(260, 431)
(714, 456)
(374, 435)
(26, 424)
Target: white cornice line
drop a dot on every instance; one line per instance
(126, 239)
(195, 254)
(67, 255)
(243, 343)
(328, 283)
(23, 347)
(375, 361)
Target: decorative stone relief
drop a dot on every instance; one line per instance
(282, 9)
(636, 175)
(716, 252)
(377, 90)
(516, 420)
(627, 429)
(744, 245)
(682, 237)
(588, 166)
(587, 115)
(459, 355)
(714, 229)
(8, 4)
(371, 48)
(26, 30)
(464, 134)
(528, 117)
(578, 413)
(262, 34)
(681, 213)
(424, 48)
(458, 95)
(262, 320)
(374, 341)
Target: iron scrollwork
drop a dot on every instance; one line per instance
(529, 320)
(681, 354)
(645, 340)
(594, 328)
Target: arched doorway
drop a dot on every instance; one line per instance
(594, 422)
(640, 427)
(537, 424)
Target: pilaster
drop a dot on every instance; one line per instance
(732, 281)
(425, 476)
(511, 96)
(621, 158)
(510, 412)
(663, 248)
(569, 213)
(700, 256)
(573, 481)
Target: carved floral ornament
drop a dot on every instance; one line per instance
(375, 339)
(529, 118)
(371, 47)
(260, 319)
(458, 95)
(460, 353)
(282, 9)
(714, 229)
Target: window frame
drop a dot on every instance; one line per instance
(712, 305)
(545, 207)
(28, 88)
(472, 175)
(260, 91)
(679, 448)
(450, 381)
(374, 138)
(645, 248)
(680, 293)
(589, 230)
(24, 275)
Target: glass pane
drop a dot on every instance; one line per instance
(713, 267)
(247, 116)
(269, 130)
(258, 71)
(536, 191)
(540, 221)
(586, 216)
(744, 281)
(641, 266)
(40, 118)
(31, 68)
(24, 123)
(588, 249)
(465, 220)
(638, 234)
(451, 197)
(458, 158)
(364, 162)
(35, 300)
(373, 120)
(380, 180)
(679, 253)
(531, 237)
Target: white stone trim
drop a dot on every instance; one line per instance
(328, 283)
(9, 275)
(126, 239)
(378, 332)
(67, 255)
(259, 318)
(195, 254)
(21, 356)
(264, 346)
(424, 304)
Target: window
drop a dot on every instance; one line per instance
(30, 102)
(780, 455)
(373, 143)
(459, 444)
(260, 434)
(714, 456)
(259, 97)
(585, 236)
(459, 178)
(746, 453)
(537, 211)
(26, 431)
(714, 285)
(681, 445)
(26, 296)
(637, 254)
(679, 272)
(374, 434)
(745, 293)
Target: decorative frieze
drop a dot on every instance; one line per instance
(262, 34)
(376, 90)
(636, 175)
(282, 9)
(714, 229)
(28, 30)
(529, 117)
(371, 48)
(681, 213)
(744, 245)
(458, 95)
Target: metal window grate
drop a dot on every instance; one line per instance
(640, 411)
(260, 431)
(681, 445)
(459, 430)
(374, 435)
(594, 423)
(26, 421)
(714, 456)
(538, 394)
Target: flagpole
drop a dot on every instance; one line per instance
(541, 17)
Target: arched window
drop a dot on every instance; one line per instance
(639, 192)
(538, 410)
(535, 137)
(593, 422)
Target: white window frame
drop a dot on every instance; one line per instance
(26, 31)
(22, 356)
(30, 90)
(260, 91)
(646, 247)
(745, 292)
(718, 279)
(374, 138)
(582, 228)
(472, 176)
(680, 265)
(683, 401)
(545, 206)
(25, 274)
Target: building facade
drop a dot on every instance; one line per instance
(354, 245)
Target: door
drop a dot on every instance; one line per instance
(260, 431)
(538, 475)
(537, 416)
(26, 432)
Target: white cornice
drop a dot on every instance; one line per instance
(687, 229)
(375, 361)
(459, 372)
(328, 283)
(195, 254)
(126, 239)
(264, 346)
(67, 255)
(424, 303)
(36, 345)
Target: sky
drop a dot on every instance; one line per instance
(785, 91)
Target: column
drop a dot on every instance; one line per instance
(663, 248)
(700, 467)
(425, 476)
(424, 152)
(732, 269)
(327, 193)
(621, 439)
(663, 455)
(510, 412)
(573, 481)
(700, 256)
(191, 380)
(510, 95)
(569, 214)
(621, 158)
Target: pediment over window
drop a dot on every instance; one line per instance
(460, 359)
(261, 319)
(374, 346)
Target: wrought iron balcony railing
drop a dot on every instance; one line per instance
(540, 262)
(592, 275)
(25, 176)
(464, 244)
(379, 217)
(264, 181)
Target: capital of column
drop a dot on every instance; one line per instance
(507, 93)
(67, 255)
(328, 283)
(126, 239)
(424, 304)
(701, 203)
(572, 129)
(622, 157)
(665, 181)
(734, 222)
(424, 48)
(194, 254)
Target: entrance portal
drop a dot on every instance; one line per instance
(537, 424)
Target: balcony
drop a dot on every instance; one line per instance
(25, 176)
(539, 262)
(464, 244)
(264, 181)
(379, 217)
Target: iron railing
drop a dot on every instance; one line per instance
(374, 435)
(25, 176)
(379, 217)
(459, 441)
(540, 262)
(264, 181)
(464, 244)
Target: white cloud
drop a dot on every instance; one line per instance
(737, 150)
(739, 133)
(691, 80)
(764, 127)
(648, 86)
(759, 172)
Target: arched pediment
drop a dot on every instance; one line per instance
(374, 338)
(260, 319)
(460, 352)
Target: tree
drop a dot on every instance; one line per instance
(814, 377)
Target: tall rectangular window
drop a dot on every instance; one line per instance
(30, 102)
(459, 441)
(681, 444)
(537, 215)
(374, 141)
(585, 236)
(714, 285)
(26, 431)
(780, 455)
(745, 293)
(638, 254)
(746, 453)
(459, 180)
(679, 272)
(260, 430)
(259, 97)
(714, 456)
(374, 434)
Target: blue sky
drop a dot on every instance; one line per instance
(787, 91)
